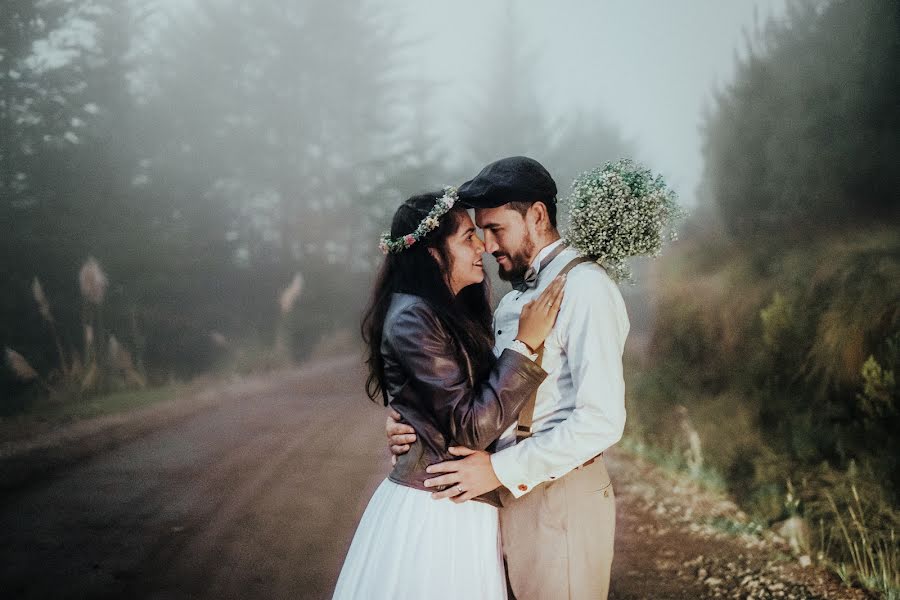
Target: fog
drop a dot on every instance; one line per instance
(191, 196)
(648, 67)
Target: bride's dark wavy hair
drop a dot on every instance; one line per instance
(416, 271)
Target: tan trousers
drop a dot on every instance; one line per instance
(558, 538)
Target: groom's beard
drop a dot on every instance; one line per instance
(518, 262)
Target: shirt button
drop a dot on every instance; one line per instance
(523, 487)
(499, 331)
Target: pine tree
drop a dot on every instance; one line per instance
(507, 118)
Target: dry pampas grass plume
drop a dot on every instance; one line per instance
(93, 281)
(38, 292)
(218, 339)
(119, 356)
(290, 294)
(20, 366)
(24, 371)
(121, 359)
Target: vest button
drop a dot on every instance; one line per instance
(499, 331)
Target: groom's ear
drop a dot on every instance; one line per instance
(539, 216)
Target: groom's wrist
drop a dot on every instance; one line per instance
(507, 473)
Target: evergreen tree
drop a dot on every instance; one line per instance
(808, 135)
(283, 137)
(507, 118)
(64, 164)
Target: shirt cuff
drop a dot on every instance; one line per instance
(520, 347)
(510, 473)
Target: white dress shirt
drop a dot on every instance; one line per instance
(580, 407)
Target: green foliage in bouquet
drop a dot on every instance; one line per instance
(619, 211)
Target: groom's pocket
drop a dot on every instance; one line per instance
(604, 490)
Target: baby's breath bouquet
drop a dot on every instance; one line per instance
(619, 211)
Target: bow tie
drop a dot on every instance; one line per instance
(530, 278)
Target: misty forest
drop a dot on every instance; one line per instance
(194, 194)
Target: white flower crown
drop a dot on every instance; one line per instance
(429, 223)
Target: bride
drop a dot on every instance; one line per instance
(430, 357)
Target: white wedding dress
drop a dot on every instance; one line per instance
(408, 545)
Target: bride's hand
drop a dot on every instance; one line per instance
(539, 315)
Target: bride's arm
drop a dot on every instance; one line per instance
(475, 415)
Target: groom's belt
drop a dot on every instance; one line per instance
(590, 461)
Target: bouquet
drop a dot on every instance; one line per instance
(619, 211)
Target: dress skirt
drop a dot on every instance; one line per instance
(408, 545)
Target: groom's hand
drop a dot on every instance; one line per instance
(474, 475)
(399, 435)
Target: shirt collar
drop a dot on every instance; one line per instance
(544, 252)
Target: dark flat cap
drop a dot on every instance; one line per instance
(513, 179)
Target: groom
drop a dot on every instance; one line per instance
(558, 515)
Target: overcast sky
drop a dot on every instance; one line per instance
(649, 65)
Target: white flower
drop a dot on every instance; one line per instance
(620, 211)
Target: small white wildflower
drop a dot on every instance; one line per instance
(620, 211)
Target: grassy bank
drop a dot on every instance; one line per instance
(771, 372)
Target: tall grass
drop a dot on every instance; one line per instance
(874, 560)
(286, 302)
(91, 371)
(786, 358)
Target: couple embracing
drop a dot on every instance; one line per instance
(499, 422)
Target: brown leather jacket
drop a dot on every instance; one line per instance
(437, 396)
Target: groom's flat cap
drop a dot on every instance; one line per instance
(513, 179)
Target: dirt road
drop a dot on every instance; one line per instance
(259, 496)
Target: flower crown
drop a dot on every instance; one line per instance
(444, 204)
